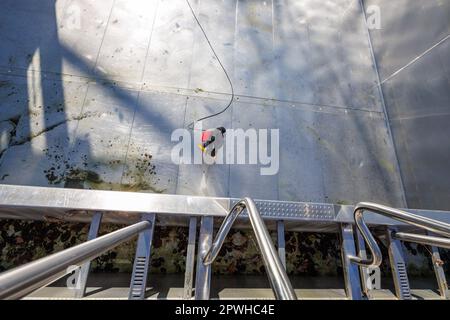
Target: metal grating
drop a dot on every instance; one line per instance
(293, 210)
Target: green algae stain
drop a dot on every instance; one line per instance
(137, 176)
(127, 187)
(387, 165)
(76, 178)
(323, 142)
(88, 179)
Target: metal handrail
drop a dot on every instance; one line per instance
(432, 225)
(423, 239)
(278, 278)
(21, 281)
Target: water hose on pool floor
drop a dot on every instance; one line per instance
(191, 125)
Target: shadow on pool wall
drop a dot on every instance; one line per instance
(417, 95)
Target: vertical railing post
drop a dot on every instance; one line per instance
(190, 259)
(370, 277)
(83, 275)
(351, 271)
(439, 272)
(281, 242)
(203, 272)
(398, 267)
(141, 264)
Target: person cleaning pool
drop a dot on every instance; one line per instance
(212, 140)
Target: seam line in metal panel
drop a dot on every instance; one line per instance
(155, 15)
(104, 36)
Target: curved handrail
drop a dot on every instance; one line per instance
(432, 225)
(278, 278)
(20, 281)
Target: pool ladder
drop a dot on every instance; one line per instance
(21, 281)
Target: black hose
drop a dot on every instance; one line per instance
(191, 125)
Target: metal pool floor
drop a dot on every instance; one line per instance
(92, 102)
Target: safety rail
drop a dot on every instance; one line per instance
(23, 280)
(278, 278)
(432, 225)
(423, 239)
